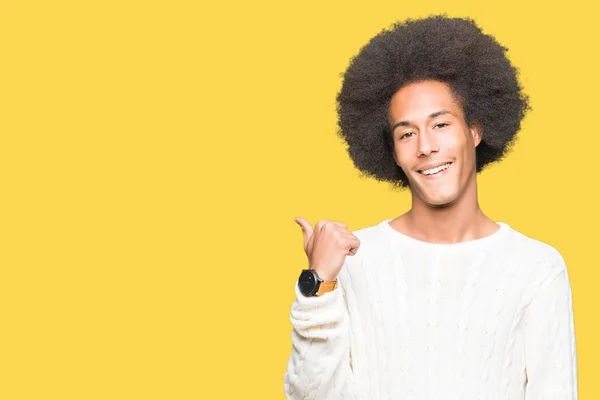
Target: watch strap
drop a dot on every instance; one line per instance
(325, 287)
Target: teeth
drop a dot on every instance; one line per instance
(435, 170)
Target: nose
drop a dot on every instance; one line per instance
(426, 144)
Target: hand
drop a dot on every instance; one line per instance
(327, 246)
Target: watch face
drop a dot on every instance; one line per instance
(307, 282)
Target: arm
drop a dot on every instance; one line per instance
(319, 366)
(550, 354)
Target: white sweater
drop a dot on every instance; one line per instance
(483, 319)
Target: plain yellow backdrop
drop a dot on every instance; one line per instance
(154, 155)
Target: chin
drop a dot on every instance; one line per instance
(435, 198)
(441, 204)
(439, 201)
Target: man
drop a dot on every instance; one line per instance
(441, 302)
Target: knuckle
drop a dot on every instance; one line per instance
(329, 226)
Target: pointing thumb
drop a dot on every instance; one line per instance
(306, 228)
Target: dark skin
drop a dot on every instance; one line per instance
(429, 130)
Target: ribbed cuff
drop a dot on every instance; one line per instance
(318, 316)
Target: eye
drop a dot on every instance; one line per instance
(441, 125)
(407, 134)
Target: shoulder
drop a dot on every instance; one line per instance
(541, 261)
(368, 233)
(372, 252)
(371, 235)
(535, 251)
(374, 243)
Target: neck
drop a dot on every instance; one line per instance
(461, 221)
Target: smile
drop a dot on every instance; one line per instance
(435, 170)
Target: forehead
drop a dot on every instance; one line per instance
(416, 101)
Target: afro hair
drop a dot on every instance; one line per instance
(451, 50)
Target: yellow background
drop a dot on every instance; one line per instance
(154, 155)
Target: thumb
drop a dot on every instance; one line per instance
(307, 229)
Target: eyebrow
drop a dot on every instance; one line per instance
(431, 116)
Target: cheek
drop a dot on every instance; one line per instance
(402, 156)
(456, 145)
(452, 142)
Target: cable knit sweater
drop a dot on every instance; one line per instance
(490, 319)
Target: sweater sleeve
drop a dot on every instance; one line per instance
(550, 354)
(319, 365)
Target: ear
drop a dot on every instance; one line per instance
(476, 133)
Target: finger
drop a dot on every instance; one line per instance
(352, 245)
(306, 228)
(322, 223)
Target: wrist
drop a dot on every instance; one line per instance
(325, 275)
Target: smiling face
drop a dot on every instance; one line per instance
(433, 144)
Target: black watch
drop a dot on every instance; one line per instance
(310, 284)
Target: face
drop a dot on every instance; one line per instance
(433, 144)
